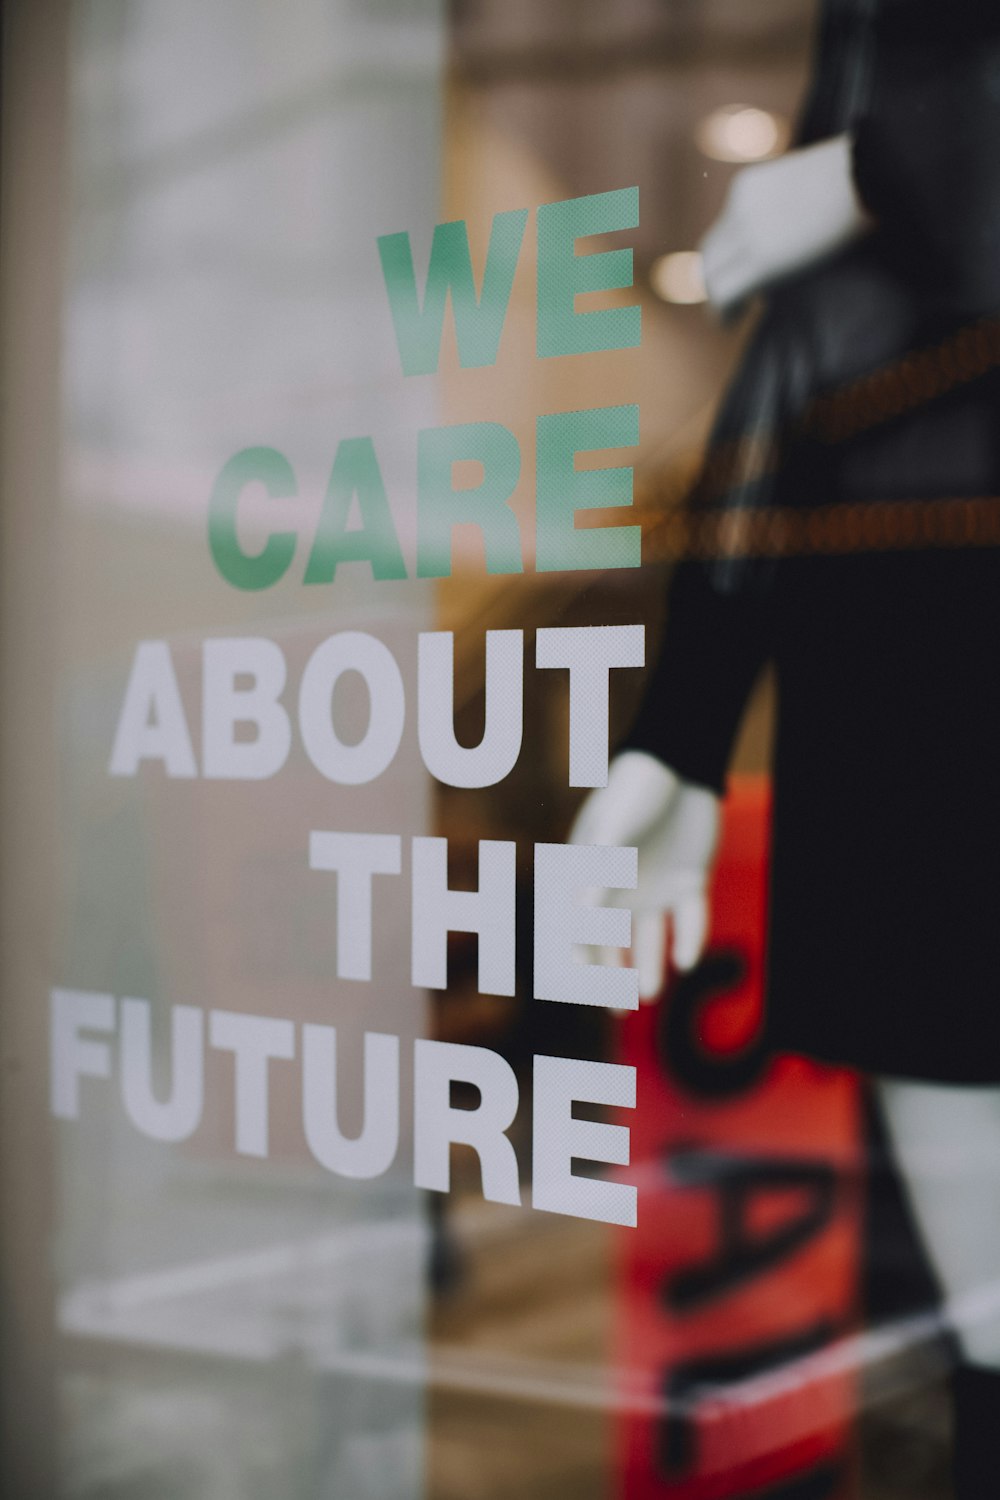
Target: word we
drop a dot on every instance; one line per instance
(562, 491)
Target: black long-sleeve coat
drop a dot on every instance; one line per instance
(848, 490)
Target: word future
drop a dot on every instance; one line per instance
(84, 1022)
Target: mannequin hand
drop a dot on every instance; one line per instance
(675, 827)
(781, 216)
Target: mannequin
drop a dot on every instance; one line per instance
(879, 236)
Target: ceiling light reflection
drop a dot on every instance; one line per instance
(740, 132)
(678, 277)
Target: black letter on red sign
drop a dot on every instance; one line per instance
(707, 1075)
(742, 1254)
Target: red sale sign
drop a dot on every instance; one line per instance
(742, 1274)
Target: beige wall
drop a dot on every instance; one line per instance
(33, 205)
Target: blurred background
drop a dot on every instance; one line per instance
(227, 1329)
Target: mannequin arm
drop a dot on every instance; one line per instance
(780, 217)
(674, 824)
